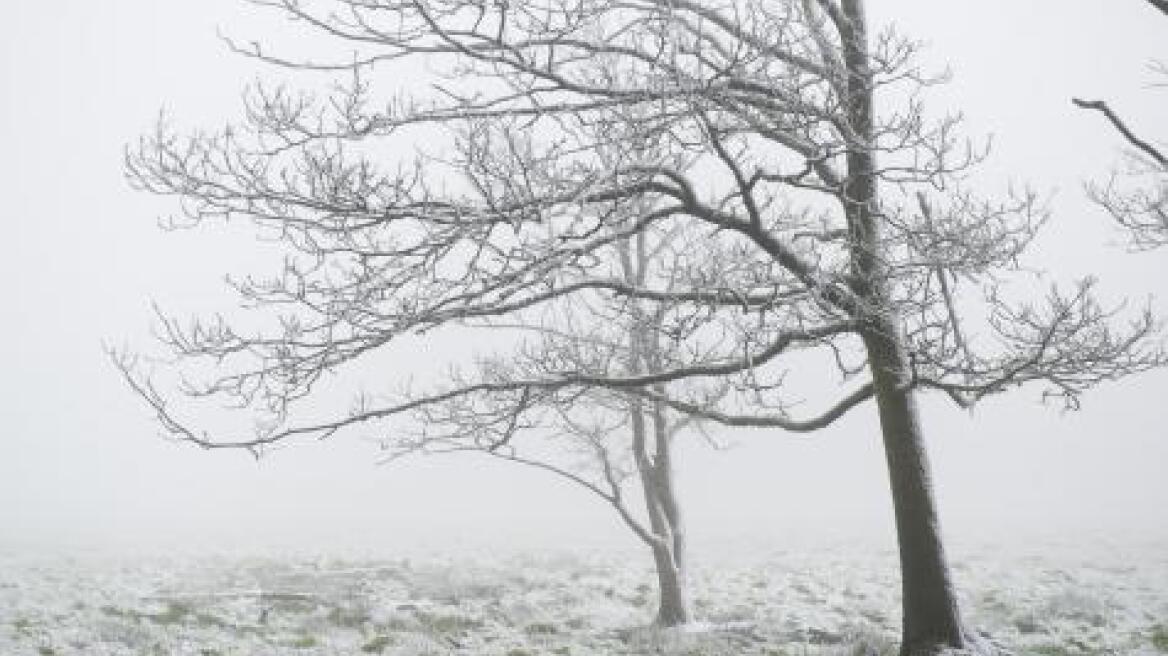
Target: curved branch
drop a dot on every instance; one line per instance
(1134, 140)
(811, 424)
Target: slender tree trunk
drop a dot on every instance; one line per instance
(932, 620)
(664, 519)
(652, 452)
(674, 607)
(670, 557)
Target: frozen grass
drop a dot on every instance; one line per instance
(840, 602)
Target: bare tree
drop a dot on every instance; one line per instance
(595, 437)
(818, 227)
(1137, 195)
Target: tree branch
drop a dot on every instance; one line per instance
(823, 420)
(1142, 145)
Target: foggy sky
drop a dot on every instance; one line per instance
(81, 463)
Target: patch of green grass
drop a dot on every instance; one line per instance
(398, 624)
(174, 613)
(377, 645)
(520, 651)
(304, 642)
(875, 646)
(46, 651)
(288, 603)
(441, 623)
(1160, 637)
(541, 629)
(1052, 650)
(351, 618)
(210, 621)
(732, 614)
(114, 611)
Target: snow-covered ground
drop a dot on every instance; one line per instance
(1049, 598)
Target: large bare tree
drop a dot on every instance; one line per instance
(1136, 196)
(829, 231)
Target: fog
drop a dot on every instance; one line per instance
(82, 465)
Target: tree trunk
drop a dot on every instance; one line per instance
(668, 545)
(673, 607)
(670, 557)
(932, 619)
(653, 454)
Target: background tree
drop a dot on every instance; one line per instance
(825, 240)
(1137, 195)
(598, 438)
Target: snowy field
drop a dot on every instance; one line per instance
(1042, 599)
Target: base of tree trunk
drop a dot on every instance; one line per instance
(673, 605)
(673, 618)
(659, 623)
(670, 623)
(974, 645)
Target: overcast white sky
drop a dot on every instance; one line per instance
(80, 461)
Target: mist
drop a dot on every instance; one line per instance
(82, 464)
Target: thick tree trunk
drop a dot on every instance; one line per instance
(932, 619)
